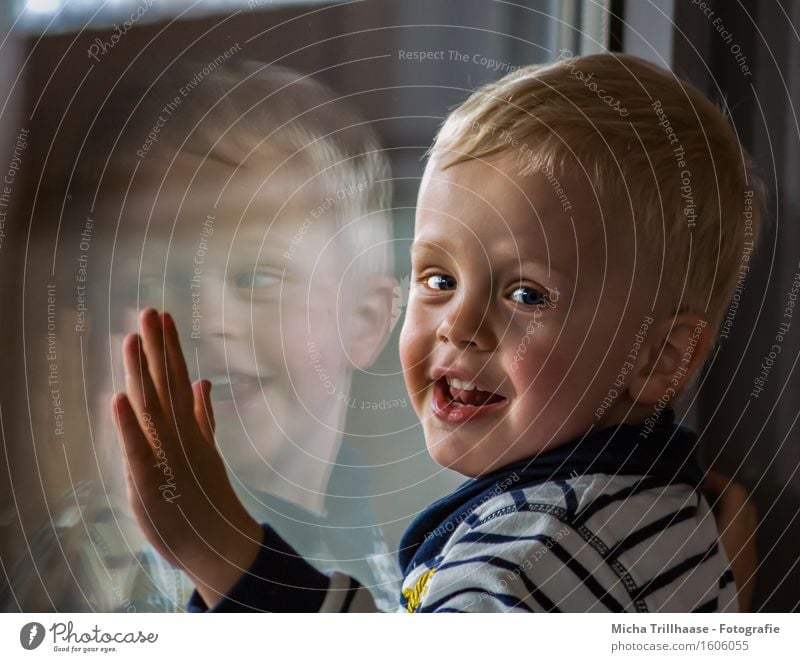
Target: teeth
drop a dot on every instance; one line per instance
(460, 384)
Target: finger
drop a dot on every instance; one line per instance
(720, 483)
(734, 498)
(154, 349)
(715, 483)
(141, 390)
(135, 446)
(725, 494)
(737, 493)
(203, 410)
(179, 382)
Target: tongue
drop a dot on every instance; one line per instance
(474, 397)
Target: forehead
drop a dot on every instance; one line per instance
(486, 205)
(242, 202)
(178, 224)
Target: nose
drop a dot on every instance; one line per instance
(224, 316)
(466, 322)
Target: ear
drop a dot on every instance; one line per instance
(371, 322)
(673, 352)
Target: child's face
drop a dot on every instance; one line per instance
(255, 294)
(269, 331)
(535, 305)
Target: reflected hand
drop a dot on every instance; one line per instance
(177, 484)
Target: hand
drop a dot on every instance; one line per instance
(737, 522)
(176, 479)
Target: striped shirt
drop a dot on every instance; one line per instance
(611, 522)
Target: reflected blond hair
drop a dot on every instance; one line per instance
(270, 117)
(273, 121)
(624, 122)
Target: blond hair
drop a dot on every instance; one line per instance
(647, 141)
(266, 119)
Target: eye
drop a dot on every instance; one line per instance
(250, 280)
(440, 282)
(529, 296)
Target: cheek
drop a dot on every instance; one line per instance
(278, 337)
(262, 332)
(536, 358)
(414, 341)
(529, 336)
(407, 358)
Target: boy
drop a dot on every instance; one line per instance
(261, 188)
(266, 180)
(558, 306)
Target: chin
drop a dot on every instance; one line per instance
(446, 454)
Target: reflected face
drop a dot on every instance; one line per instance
(517, 322)
(254, 292)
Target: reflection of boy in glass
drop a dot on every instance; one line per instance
(267, 233)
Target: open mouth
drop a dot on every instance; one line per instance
(455, 400)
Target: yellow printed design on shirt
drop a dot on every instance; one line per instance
(414, 595)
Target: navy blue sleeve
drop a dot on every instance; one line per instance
(278, 580)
